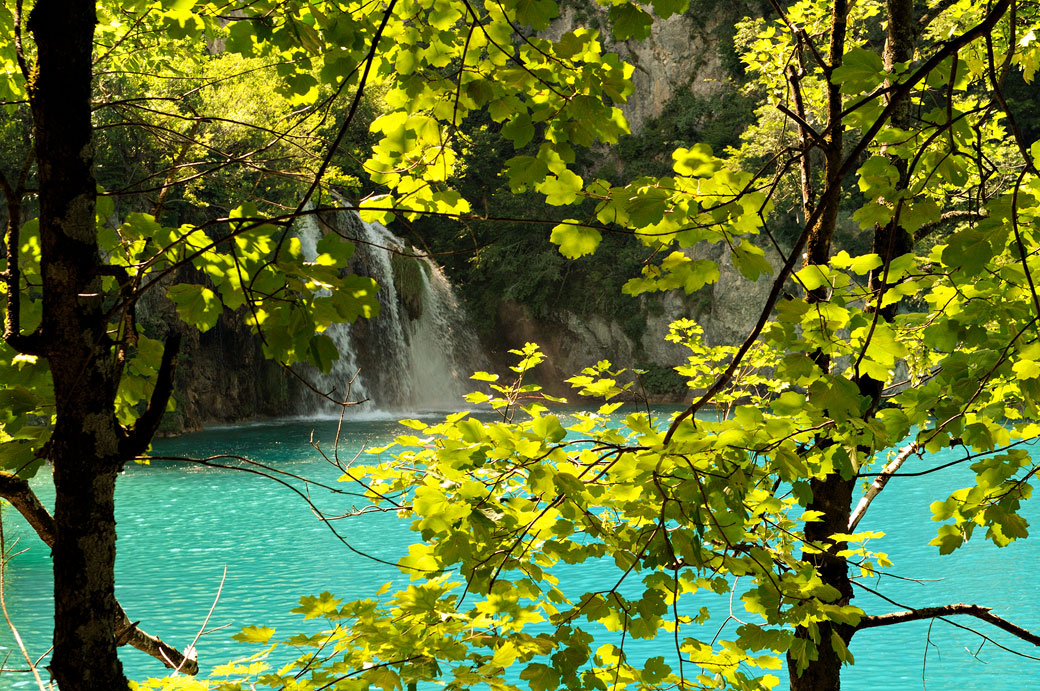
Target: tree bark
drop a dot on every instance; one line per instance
(891, 240)
(84, 447)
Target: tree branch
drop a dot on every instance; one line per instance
(903, 88)
(30, 344)
(879, 484)
(17, 491)
(140, 435)
(804, 132)
(946, 219)
(976, 611)
(834, 187)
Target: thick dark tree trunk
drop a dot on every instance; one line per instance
(85, 447)
(832, 496)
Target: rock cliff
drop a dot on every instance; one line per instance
(726, 310)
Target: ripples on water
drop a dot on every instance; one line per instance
(180, 525)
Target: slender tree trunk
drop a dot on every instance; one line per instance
(892, 240)
(85, 444)
(832, 495)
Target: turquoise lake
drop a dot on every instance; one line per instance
(181, 524)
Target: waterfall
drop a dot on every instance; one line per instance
(418, 353)
(345, 368)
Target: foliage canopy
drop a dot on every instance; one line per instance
(856, 363)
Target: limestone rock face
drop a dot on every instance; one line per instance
(681, 57)
(222, 376)
(726, 310)
(673, 306)
(736, 302)
(572, 342)
(681, 53)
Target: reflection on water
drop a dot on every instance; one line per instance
(181, 524)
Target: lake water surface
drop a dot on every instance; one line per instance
(180, 525)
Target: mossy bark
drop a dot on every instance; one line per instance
(85, 446)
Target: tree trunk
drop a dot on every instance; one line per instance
(832, 495)
(85, 444)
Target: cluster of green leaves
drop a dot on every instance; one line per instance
(177, 117)
(726, 495)
(178, 128)
(504, 502)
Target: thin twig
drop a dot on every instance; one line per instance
(10, 624)
(190, 650)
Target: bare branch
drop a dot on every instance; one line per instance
(976, 611)
(127, 632)
(879, 484)
(804, 127)
(7, 617)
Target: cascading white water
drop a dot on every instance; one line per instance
(418, 352)
(345, 370)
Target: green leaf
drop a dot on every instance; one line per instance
(575, 240)
(540, 677)
(751, 261)
(525, 171)
(19, 400)
(383, 677)
(548, 428)
(877, 176)
(254, 634)
(917, 214)
(519, 130)
(561, 189)
(861, 70)
(196, 305)
(969, 249)
(813, 276)
(840, 649)
(666, 8)
(697, 161)
(322, 352)
(858, 265)
(629, 21)
(655, 670)
(322, 605)
(536, 13)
